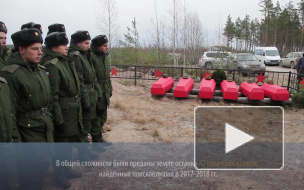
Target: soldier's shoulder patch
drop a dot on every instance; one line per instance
(11, 68)
(76, 52)
(2, 80)
(54, 61)
(42, 67)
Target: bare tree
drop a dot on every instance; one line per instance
(106, 15)
(174, 28)
(219, 32)
(195, 38)
(184, 30)
(157, 35)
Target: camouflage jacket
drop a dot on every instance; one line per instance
(65, 85)
(101, 64)
(8, 128)
(31, 95)
(90, 90)
(4, 57)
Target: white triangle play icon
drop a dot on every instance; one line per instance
(235, 138)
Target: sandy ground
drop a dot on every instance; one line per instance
(135, 117)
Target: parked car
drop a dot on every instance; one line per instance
(291, 59)
(249, 64)
(211, 58)
(269, 55)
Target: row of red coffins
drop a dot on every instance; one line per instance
(254, 92)
(229, 89)
(182, 89)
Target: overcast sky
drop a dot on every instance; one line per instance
(80, 14)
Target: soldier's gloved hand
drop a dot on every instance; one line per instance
(58, 129)
(86, 110)
(110, 94)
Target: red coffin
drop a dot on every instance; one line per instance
(252, 91)
(162, 85)
(275, 92)
(183, 87)
(229, 90)
(206, 89)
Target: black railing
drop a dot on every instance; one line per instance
(288, 80)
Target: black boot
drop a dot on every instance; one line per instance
(105, 143)
(61, 181)
(95, 138)
(96, 146)
(101, 138)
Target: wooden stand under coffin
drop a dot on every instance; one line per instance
(252, 91)
(162, 85)
(229, 90)
(206, 89)
(183, 87)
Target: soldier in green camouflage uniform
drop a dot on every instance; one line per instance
(101, 62)
(90, 93)
(66, 107)
(31, 96)
(8, 128)
(5, 50)
(8, 134)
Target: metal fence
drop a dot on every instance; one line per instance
(133, 72)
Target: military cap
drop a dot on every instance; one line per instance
(56, 39)
(99, 40)
(26, 37)
(56, 28)
(32, 25)
(80, 36)
(3, 27)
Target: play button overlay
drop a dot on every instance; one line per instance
(239, 138)
(231, 142)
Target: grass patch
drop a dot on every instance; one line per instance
(155, 133)
(107, 128)
(141, 128)
(127, 82)
(140, 120)
(298, 99)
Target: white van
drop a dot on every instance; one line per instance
(270, 55)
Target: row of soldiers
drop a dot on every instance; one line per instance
(51, 93)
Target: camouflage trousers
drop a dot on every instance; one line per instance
(103, 119)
